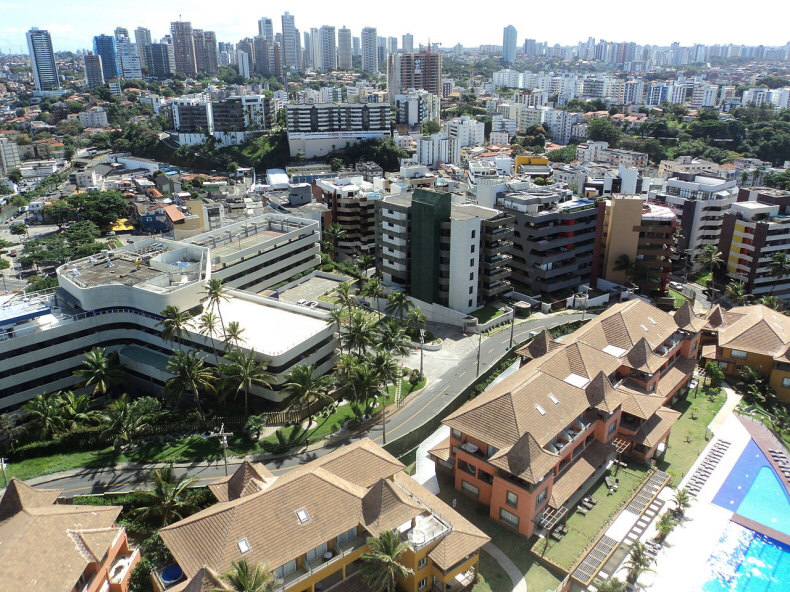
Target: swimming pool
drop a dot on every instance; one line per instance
(753, 490)
(746, 561)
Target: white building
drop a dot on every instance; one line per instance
(9, 156)
(328, 49)
(370, 51)
(416, 107)
(466, 131)
(128, 59)
(95, 117)
(560, 124)
(344, 49)
(431, 150)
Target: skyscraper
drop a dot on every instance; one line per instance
(313, 53)
(266, 29)
(128, 59)
(370, 53)
(42, 60)
(291, 45)
(121, 32)
(183, 47)
(407, 43)
(392, 44)
(104, 46)
(328, 49)
(418, 70)
(159, 57)
(93, 73)
(142, 38)
(509, 44)
(205, 51)
(344, 50)
(307, 59)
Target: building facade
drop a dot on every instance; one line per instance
(183, 47)
(42, 60)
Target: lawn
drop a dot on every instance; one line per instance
(515, 546)
(679, 298)
(491, 576)
(582, 530)
(701, 278)
(688, 437)
(487, 313)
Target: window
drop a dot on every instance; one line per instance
(316, 553)
(422, 563)
(347, 536)
(302, 515)
(471, 276)
(472, 250)
(471, 263)
(455, 450)
(244, 546)
(612, 428)
(508, 517)
(738, 354)
(470, 303)
(471, 289)
(511, 499)
(542, 497)
(469, 488)
(422, 584)
(723, 365)
(786, 382)
(285, 570)
(474, 233)
(456, 434)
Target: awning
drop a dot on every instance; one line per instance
(580, 470)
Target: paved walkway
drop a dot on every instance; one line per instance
(519, 582)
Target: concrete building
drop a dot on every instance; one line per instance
(420, 70)
(755, 228)
(352, 204)
(9, 156)
(183, 47)
(443, 253)
(94, 117)
(328, 49)
(466, 131)
(205, 51)
(600, 152)
(114, 300)
(509, 43)
(266, 28)
(128, 59)
(627, 226)
(42, 60)
(94, 76)
(560, 124)
(369, 48)
(291, 46)
(416, 107)
(554, 238)
(344, 49)
(142, 39)
(316, 130)
(160, 59)
(105, 46)
(436, 148)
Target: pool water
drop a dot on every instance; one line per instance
(746, 561)
(753, 490)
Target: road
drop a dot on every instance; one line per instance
(419, 407)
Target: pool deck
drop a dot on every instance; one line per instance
(763, 437)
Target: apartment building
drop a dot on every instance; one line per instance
(55, 547)
(94, 117)
(466, 131)
(420, 70)
(642, 231)
(688, 165)
(554, 235)
(317, 130)
(416, 107)
(115, 299)
(755, 228)
(352, 204)
(600, 152)
(440, 252)
(229, 121)
(310, 526)
(9, 156)
(93, 70)
(560, 124)
(700, 203)
(532, 445)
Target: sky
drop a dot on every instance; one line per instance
(73, 23)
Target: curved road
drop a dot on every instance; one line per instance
(422, 405)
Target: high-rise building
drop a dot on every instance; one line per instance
(142, 38)
(128, 59)
(121, 32)
(344, 49)
(313, 53)
(160, 60)
(509, 44)
(392, 44)
(183, 47)
(417, 70)
(243, 61)
(9, 156)
(407, 43)
(307, 58)
(328, 49)
(370, 54)
(262, 60)
(93, 73)
(42, 60)
(105, 46)
(266, 29)
(356, 46)
(205, 51)
(291, 45)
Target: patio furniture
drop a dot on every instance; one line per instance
(582, 509)
(556, 535)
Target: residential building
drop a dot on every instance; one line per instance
(436, 148)
(230, 121)
(205, 43)
(554, 236)
(449, 254)
(509, 42)
(53, 547)
(105, 46)
(42, 60)
(243, 62)
(183, 47)
(94, 75)
(9, 156)
(407, 43)
(291, 46)
(628, 226)
(142, 39)
(688, 165)
(700, 203)
(266, 28)
(128, 59)
(369, 48)
(344, 49)
(316, 130)
(160, 59)
(93, 117)
(328, 49)
(311, 525)
(352, 203)
(466, 131)
(416, 107)
(560, 124)
(600, 152)
(420, 70)
(752, 336)
(534, 444)
(755, 228)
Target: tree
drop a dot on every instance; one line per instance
(682, 500)
(637, 563)
(102, 208)
(374, 289)
(398, 304)
(714, 374)
(215, 293)
(124, 420)
(18, 228)
(245, 578)
(772, 301)
(333, 233)
(364, 261)
(174, 323)
(169, 501)
(710, 259)
(233, 333)
(384, 366)
(15, 175)
(431, 127)
(207, 326)
(100, 370)
(664, 526)
(190, 375)
(392, 337)
(601, 129)
(610, 585)
(381, 566)
(356, 335)
(778, 267)
(76, 412)
(736, 291)
(244, 370)
(303, 387)
(345, 296)
(44, 417)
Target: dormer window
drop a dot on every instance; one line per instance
(302, 515)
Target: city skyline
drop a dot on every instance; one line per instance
(73, 25)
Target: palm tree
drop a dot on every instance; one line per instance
(245, 578)
(356, 335)
(778, 267)
(682, 500)
(232, 334)
(627, 265)
(637, 563)
(124, 420)
(173, 323)
(386, 369)
(710, 258)
(374, 289)
(344, 367)
(398, 304)
(381, 566)
(344, 295)
(392, 337)
(244, 370)
(772, 301)
(303, 387)
(44, 415)
(736, 291)
(365, 383)
(170, 499)
(610, 585)
(100, 370)
(334, 232)
(207, 326)
(215, 294)
(664, 526)
(75, 410)
(364, 261)
(190, 375)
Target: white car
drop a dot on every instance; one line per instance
(301, 302)
(676, 285)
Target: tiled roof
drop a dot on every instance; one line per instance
(641, 357)
(623, 325)
(525, 459)
(538, 346)
(655, 429)
(248, 478)
(205, 580)
(385, 507)
(640, 405)
(441, 450)
(677, 374)
(757, 329)
(602, 395)
(687, 320)
(578, 472)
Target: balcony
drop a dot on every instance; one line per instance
(498, 287)
(338, 552)
(120, 569)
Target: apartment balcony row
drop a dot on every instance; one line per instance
(551, 231)
(496, 288)
(495, 261)
(335, 554)
(567, 436)
(498, 273)
(558, 242)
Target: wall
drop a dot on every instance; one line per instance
(463, 290)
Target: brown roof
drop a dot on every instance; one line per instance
(385, 507)
(756, 329)
(248, 478)
(538, 346)
(679, 373)
(641, 357)
(687, 320)
(623, 325)
(525, 459)
(709, 351)
(655, 429)
(602, 395)
(46, 546)
(640, 405)
(441, 450)
(205, 580)
(578, 472)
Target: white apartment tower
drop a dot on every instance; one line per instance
(266, 29)
(142, 39)
(370, 53)
(509, 44)
(291, 45)
(344, 49)
(407, 43)
(328, 49)
(42, 60)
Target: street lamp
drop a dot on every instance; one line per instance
(2, 468)
(479, 346)
(512, 325)
(422, 348)
(223, 440)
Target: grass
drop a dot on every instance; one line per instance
(582, 530)
(490, 576)
(679, 298)
(487, 313)
(701, 277)
(688, 437)
(515, 546)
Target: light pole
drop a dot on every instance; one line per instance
(2, 468)
(512, 326)
(422, 348)
(479, 346)
(223, 440)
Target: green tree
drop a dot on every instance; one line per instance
(381, 566)
(233, 334)
(431, 127)
(638, 562)
(345, 296)
(303, 387)
(244, 370)
(374, 290)
(15, 175)
(215, 294)
(610, 585)
(664, 526)
(125, 420)
(243, 577)
(190, 375)
(714, 374)
(333, 233)
(207, 326)
(710, 259)
(356, 334)
(391, 336)
(76, 412)
(736, 292)
(174, 323)
(18, 228)
(682, 500)
(601, 129)
(44, 416)
(100, 370)
(398, 304)
(778, 267)
(169, 501)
